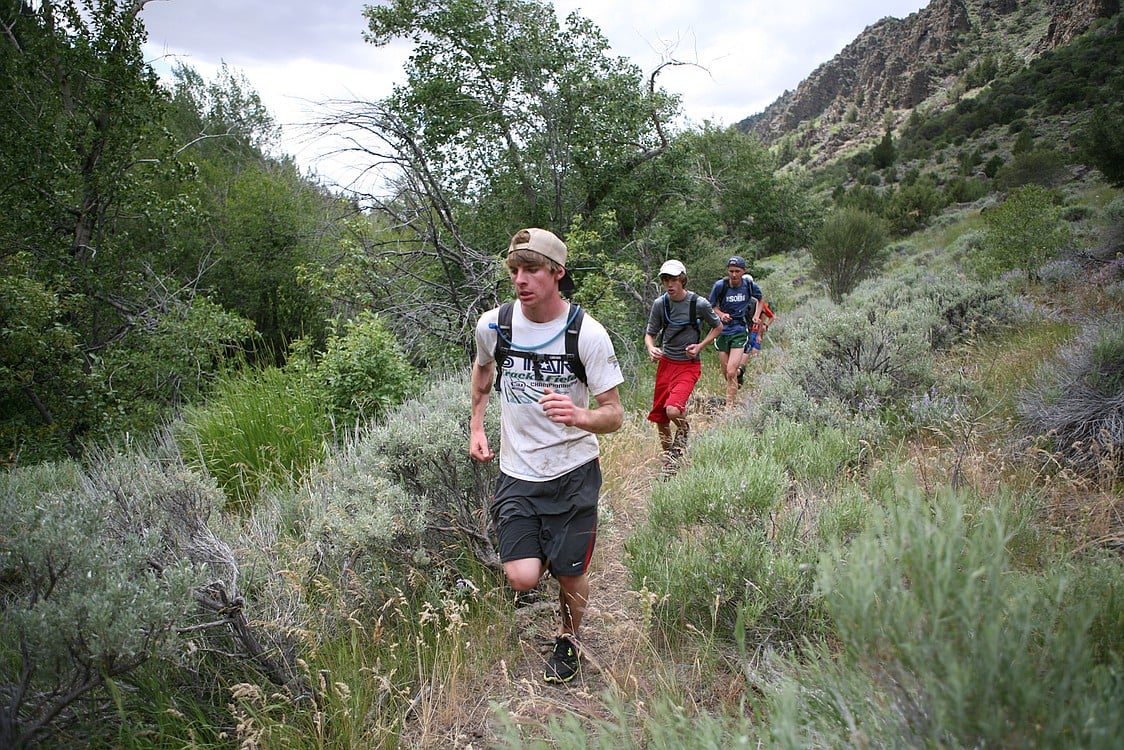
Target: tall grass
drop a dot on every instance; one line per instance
(258, 429)
(725, 549)
(943, 630)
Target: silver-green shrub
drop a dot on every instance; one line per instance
(954, 308)
(858, 368)
(861, 357)
(951, 640)
(423, 446)
(96, 573)
(398, 501)
(1076, 406)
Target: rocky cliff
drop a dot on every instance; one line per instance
(924, 59)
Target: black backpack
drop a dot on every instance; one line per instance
(505, 347)
(692, 317)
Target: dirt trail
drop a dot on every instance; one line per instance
(613, 636)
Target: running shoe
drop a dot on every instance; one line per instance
(563, 663)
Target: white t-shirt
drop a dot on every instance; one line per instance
(533, 448)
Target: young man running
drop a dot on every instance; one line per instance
(545, 505)
(738, 303)
(672, 338)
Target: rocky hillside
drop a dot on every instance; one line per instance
(928, 59)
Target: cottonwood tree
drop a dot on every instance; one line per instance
(507, 119)
(718, 187)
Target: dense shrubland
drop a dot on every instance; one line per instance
(909, 537)
(331, 600)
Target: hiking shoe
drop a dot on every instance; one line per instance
(741, 375)
(563, 663)
(679, 444)
(668, 466)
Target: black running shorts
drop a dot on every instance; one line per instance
(554, 521)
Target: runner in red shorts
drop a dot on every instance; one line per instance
(674, 341)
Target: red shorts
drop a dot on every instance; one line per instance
(674, 383)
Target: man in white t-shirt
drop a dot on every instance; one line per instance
(545, 505)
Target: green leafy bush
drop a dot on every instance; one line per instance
(364, 371)
(1101, 142)
(1023, 232)
(850, 247)
(1039, 166)
(45, 393)
(911, 206)
(156, 370)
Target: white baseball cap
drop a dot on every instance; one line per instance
(673, 268)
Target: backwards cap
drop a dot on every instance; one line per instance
(548, 245)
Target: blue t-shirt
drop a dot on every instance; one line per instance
(737, 301)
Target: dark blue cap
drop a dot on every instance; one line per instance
(737, 260)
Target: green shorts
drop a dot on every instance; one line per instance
(731, 342)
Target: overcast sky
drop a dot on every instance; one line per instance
(298, 52)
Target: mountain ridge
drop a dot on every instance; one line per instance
(925, 60)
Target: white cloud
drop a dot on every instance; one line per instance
(299, 52)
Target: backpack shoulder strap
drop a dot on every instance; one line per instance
(577, 315)
(504, 346)
(503, 339)
(722, 291)
(694, 315)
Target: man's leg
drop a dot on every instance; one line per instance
(679, 419)
(565, 661)
(730, 361)
(737, 362)
(573, 597)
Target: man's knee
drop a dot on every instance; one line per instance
(673, 412)
(523, 575)
(575, 585)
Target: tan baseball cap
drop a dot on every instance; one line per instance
(547, 244)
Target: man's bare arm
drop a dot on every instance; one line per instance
(482, 376)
